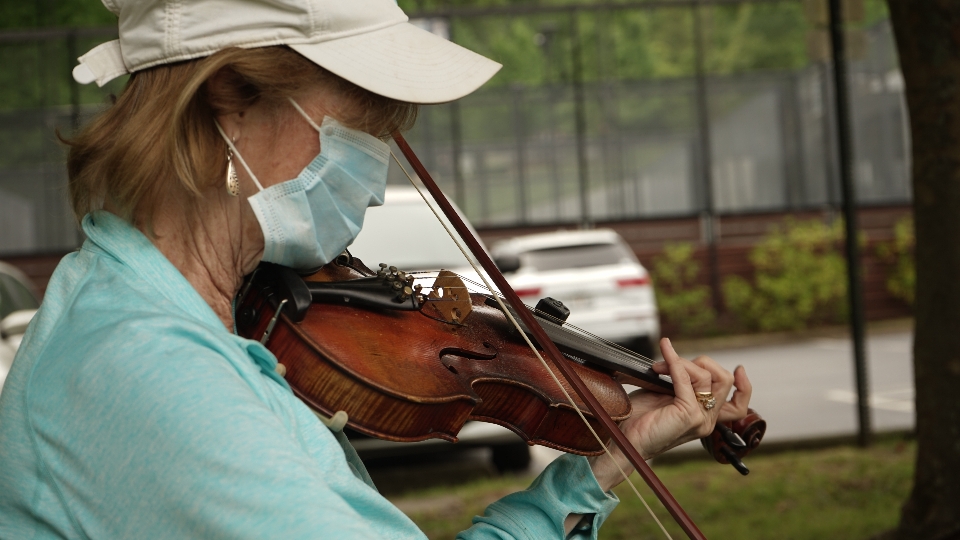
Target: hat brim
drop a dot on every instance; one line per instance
(403, 62)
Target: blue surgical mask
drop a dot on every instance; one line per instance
(309, 220)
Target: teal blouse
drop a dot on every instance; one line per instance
(131, 412)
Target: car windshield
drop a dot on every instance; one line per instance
(407, 236)
(580, 256)
(14, 296)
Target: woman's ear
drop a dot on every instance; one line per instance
(231, 124)
(222, 93)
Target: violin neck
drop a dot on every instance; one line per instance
(585, 348)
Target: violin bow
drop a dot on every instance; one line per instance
(671, 504)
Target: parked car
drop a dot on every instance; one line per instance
(406, 234)
(18, 303)
(595, 274)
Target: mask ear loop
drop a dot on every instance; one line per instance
(304, 114)
(237, 153)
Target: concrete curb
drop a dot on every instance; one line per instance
(740, 341)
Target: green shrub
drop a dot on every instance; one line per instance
(682, 302)
(799, 278)
(898, 255)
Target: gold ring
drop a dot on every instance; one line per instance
(707, 400)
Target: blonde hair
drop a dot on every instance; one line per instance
(160, 133)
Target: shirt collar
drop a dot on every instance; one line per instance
(124, 242)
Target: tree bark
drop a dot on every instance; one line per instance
(928, 40)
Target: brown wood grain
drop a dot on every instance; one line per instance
(404, 376)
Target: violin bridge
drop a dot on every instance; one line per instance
(450, 297)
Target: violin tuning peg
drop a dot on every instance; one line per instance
(731, 437)
(735, 461)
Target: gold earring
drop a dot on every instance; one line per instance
(233, 183)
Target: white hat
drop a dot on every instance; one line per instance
(367, 42)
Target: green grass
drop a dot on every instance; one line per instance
(834, 493)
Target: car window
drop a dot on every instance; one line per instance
(407, 236)
(580, 256)
(14, 296)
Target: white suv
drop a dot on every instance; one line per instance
(595, 274)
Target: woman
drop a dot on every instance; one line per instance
(133, 410)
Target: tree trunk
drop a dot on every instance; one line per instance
(928, 40)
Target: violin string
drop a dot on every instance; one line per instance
(579, 332)
(536, 353)
(627, 359)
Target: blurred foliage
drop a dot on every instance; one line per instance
(752, 37)
(50, 13)
(898, 254)
(535, 49)
(634, 44)
(35, 74)
(799, 278)
(621, 51)
(682, 301)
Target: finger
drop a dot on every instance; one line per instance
(666, 347)
(717, 371)
(672, 361)
(737, 407)
(686, 376)
(667, 351)
(661, 367)
(721, 380)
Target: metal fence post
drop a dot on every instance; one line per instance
(74, 86)
(456, 148)
(456, 144)
(706, 164)
(854, 285)
(519, 118)
(580, 117)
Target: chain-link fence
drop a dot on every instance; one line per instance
(38, 101)
(602, 112)
(596, 130)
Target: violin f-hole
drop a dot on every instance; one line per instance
(454, 357)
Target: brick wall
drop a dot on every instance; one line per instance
(738, 234)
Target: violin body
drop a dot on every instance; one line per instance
(410, 375)
(407, 366)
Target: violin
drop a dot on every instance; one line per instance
(408, 361)
(409, 357)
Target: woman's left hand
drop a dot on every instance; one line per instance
(660, 422)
